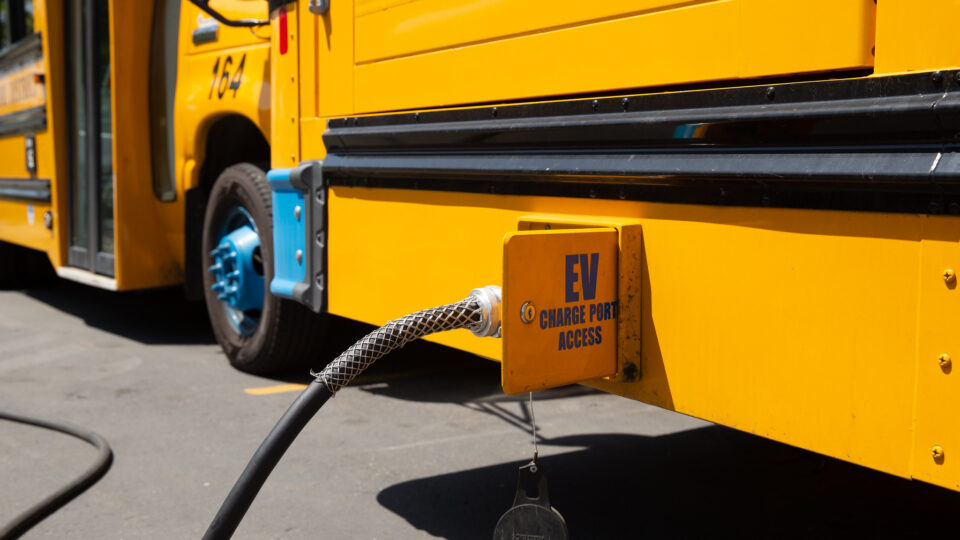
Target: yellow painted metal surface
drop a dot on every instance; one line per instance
(56, 136)
(16, 224)
(285, 112)
(559, 316)
(328, 67)
(938, 388)
(482, 51)
(629, 279)
(448, 53)
(199, 101)
(19, 91)
(801, 326)
(148, 235)
(916, 35)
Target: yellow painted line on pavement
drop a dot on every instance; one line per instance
(275, 389)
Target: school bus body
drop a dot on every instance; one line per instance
(791, 166)
(146, 246)
(804, 302)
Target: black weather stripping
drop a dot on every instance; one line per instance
(887, 144)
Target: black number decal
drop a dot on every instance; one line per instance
(224, 77)
(223, 80)
(238, 76)
(213, 83)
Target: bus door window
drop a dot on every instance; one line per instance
(92, 226)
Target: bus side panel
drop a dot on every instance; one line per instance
(149, 233)
(26, 112)
(449, 53)
(797, 325)
(916, 36)
(936, 438)
(205, 75)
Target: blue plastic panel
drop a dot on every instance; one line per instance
(289, 234)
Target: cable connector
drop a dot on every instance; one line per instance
(490, 298)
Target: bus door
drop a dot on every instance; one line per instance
(91, 136)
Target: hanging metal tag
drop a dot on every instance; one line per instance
(531, 517)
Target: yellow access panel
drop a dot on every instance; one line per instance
(462, 51)
(559, 319)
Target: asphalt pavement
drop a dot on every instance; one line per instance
(423, 445)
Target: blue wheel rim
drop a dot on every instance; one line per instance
(237, 270)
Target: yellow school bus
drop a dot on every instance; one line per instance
(742, 210)
(772, 186)
(116, 121)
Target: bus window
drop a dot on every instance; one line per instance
(16, 21)
(163, 81)
(92, 227)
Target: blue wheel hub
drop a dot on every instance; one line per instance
(238, 272)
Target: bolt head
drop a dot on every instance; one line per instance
(528, 312)
(937, 453)
(299, 256)
(296, 212)
(945, 361)
(949, 275)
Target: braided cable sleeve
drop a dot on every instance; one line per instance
(467, 313)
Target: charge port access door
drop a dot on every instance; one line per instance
(91, 136)
(560, 307)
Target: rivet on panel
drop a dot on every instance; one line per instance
(945, 362)
(937, 453)
(299, 256)
(948, 275)
(296, 212)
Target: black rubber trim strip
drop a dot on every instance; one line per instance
(888, 144)
(31, 44)
(25, 121)
(25, 190)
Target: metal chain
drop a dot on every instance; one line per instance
(533, 429)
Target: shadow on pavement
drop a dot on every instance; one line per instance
(152, 317)
(710, 482)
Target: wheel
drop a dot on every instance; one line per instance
(259, 332)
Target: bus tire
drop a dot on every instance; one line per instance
(281, 334)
